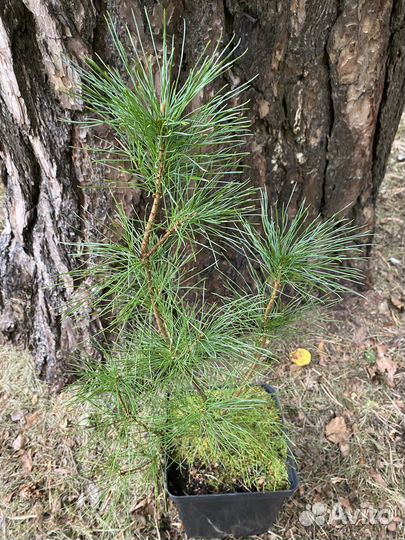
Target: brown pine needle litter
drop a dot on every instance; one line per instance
(51, 479)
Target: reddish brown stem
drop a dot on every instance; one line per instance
(146, 253)
(158, 318)
(122, 402)
(162, 241)
(157, 197)
(269, 309)
(199, 390)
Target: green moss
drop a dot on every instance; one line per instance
(228, 443)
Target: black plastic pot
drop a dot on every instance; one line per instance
(239, 514)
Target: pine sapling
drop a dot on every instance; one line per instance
(179, 374)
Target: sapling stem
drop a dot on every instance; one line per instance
(122, 403)
(146, 254)
(159, 321)
(162, 241)
(269, 308)
(128, 414)
(157, 197)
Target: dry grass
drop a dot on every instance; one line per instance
(341, 383)
(52, 472)
(52, 480)
(344, 380)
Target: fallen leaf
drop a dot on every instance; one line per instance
(29, 491)
(139, 505)
(392, 527)
(300, 357)
(397, 302)
(32, 418)
(336, 431)
(394, 523)
(26, 459)
(385, 365)
(19, 442)
(376, 476)
(344, 448)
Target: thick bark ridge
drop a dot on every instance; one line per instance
(324, 107)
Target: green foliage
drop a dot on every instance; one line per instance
(370, 356)
(177, 375)
(307, 256)
(233, 439)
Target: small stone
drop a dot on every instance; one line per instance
(383, 308)
(18, 416)
(19, 442)
(394, 261)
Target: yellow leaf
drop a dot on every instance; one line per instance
(300, 357)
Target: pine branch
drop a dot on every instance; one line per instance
(146, 253)
(157, 198)
(276, 292)
(188, 159)
(269, 308)
(161, 242)
(158, 318)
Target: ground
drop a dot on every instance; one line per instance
(343, 412)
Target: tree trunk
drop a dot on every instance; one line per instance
(324, 106)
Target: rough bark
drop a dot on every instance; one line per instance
(324, 106)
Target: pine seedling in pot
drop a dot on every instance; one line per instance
(179, 376)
